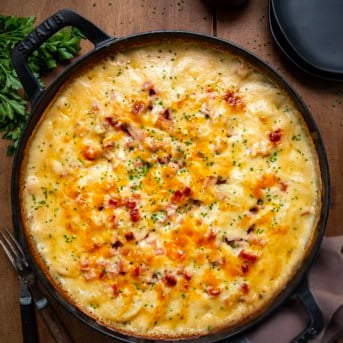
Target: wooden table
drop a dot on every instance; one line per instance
(246, 26)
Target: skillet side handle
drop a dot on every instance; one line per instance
(38, 36)
(316, 319)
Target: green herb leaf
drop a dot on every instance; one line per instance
(60, 48)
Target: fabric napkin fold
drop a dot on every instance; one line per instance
(326, 284)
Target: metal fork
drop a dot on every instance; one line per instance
(27, 279)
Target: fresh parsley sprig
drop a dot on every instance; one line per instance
(60, 48)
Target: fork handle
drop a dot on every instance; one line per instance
(55, 325)
(49, 316)
(28, 322)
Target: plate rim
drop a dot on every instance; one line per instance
(296, 50)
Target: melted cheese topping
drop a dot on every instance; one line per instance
(171, 191)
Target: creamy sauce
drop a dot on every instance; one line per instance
(171, 191)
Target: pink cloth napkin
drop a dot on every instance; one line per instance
(326, 284)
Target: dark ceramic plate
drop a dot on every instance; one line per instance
(309, 32)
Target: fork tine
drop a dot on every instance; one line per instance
(15, 242)
(7, 251)
(11, 249)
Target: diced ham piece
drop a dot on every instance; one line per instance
(213, 291)
(251, 229)
(115, 289)
(147, 85)
(117, 124)
(176, 197)
(114, 221)
(187, 275)
(171, 209)
(84, 265)
(234, 100)
(136, 133)
(152, 92)
(245, 288)
(170, 280)
(101, 262)
(165, 120)
(125, 251)
(91, 153)
(253, 239)
(205, 110)
(138, 163)
(275, 136)
(159, 251)
(245, 268)
(130, 204)
(210, 181)
(117, 244)
(219, 261)
(235, 243)
(130, 144)
(166, 114)
(187, 191)
(211, 93)
(180, 196)
(115, 202)
(95, 106)
(222, 196)
(129, 236)
(138, 107)
(139, 270)
(248, 256)
(283, 186)
(153, 144)
(211, 235)
(112, 121)
(153, 279)
(90, 274)
(108, 143)
(122, 267)
(254, 209)
(113, 270)
(164, 159)
(134, 214)
(136, 271)
(220, 145)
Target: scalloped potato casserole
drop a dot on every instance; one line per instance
(171, 190)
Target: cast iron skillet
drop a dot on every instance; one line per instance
(40, 99)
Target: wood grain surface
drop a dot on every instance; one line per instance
(246, 26)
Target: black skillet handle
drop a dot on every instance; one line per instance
(316, 318)
(42, 32)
